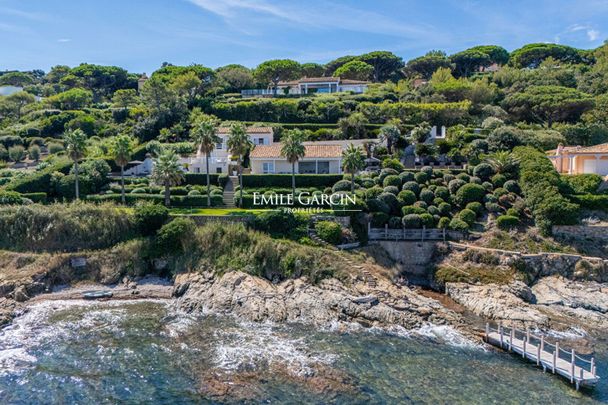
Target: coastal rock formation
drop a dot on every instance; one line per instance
(498, 302)
(330, 301)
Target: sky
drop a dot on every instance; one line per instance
(140, 35)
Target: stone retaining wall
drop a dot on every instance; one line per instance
(599, 232)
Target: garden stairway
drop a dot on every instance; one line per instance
(229, 194)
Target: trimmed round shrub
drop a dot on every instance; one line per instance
(395, 223)
(55, 148)
(476, 207)
(442, 192)
(438, 201)
(342, 185)
(376, 205)
(464, 177)
(458, 224)
(512, 187)
(406, 197)
(391, 189)
(506, 200)
(406, 176)
(387, 172)
(329, 231)
(427, 220)
(428, 170)
(421, 204)
(421, 177)
(454, 185)
(467, 216)
(379, 219)
(412, 186)
(427, 196)
(444, 209)
(475, 180)
(484, 171)
(443, 223)
(373, 192)
(392, 180)
(513, 212)
(490, 198)
(448, 177)
(493, 207)
(469, 193)
(138, 191)
(500, 192)
(411, 209)
(368, 183)
(391, 201)
(507, 222)
(498, 180)
(411, 221)
(194, 192)
(488, 186)
(433, 210)
(173, 237)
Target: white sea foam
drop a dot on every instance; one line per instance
(572, 333)
(249, 345)
(34, 327)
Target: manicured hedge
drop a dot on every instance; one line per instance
(540, 185)
(176, 200)
(39, 181)
(591, 201)
(36, 197)
(201, 179)
(284, 180)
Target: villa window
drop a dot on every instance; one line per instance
(219, 145)
(268, 167)
(259, 141)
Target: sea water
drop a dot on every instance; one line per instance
(145, 352)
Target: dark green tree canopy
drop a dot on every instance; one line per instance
(312, 70)
(425, 66)
(532, 55)
(386, 64)
(355, 69)
(276, 70)
(331, 66)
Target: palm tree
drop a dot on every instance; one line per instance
(293, 149)
(391, 134)
(204, 134)
(502, 161)
(122, 148)
(352, 162)
(167, 172)
(75, 144)
(239, 145)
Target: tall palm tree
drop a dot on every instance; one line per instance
(391, 134)
(167, 172)
(75, 144)
(293, 149)
(239, 145)
(204, 134)
(352, 161)
(122, 148)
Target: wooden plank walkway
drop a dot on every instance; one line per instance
(568, 364)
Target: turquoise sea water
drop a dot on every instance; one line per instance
(142, 352)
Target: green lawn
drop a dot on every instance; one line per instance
(214, 211)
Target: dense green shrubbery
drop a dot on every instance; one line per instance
(540, 186)
(468, 193)
(176, 235)
(329, 231)
(201, 179)
(582, 183)
(591, 201)
(176, 200)
(62, 227)
(506, 222)
(40, 180)
(281, 223)
(150, 217)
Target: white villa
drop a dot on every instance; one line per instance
(310, 85)
(219, 161)
(318, 159)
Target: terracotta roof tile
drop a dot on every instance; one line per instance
(601, 148)
(250, 130)
(312, 151)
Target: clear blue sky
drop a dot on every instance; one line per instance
(139, 35)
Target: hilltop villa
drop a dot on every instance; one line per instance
(219, 160)
(311, 85)
(580, 160)
(318, 159)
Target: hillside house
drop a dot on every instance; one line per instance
(580, 160)
(318, 159)
(311, 85)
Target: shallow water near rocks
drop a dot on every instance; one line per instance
(141, 351)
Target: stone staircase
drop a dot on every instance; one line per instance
(229, 193)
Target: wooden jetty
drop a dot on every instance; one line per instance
(577, 369)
